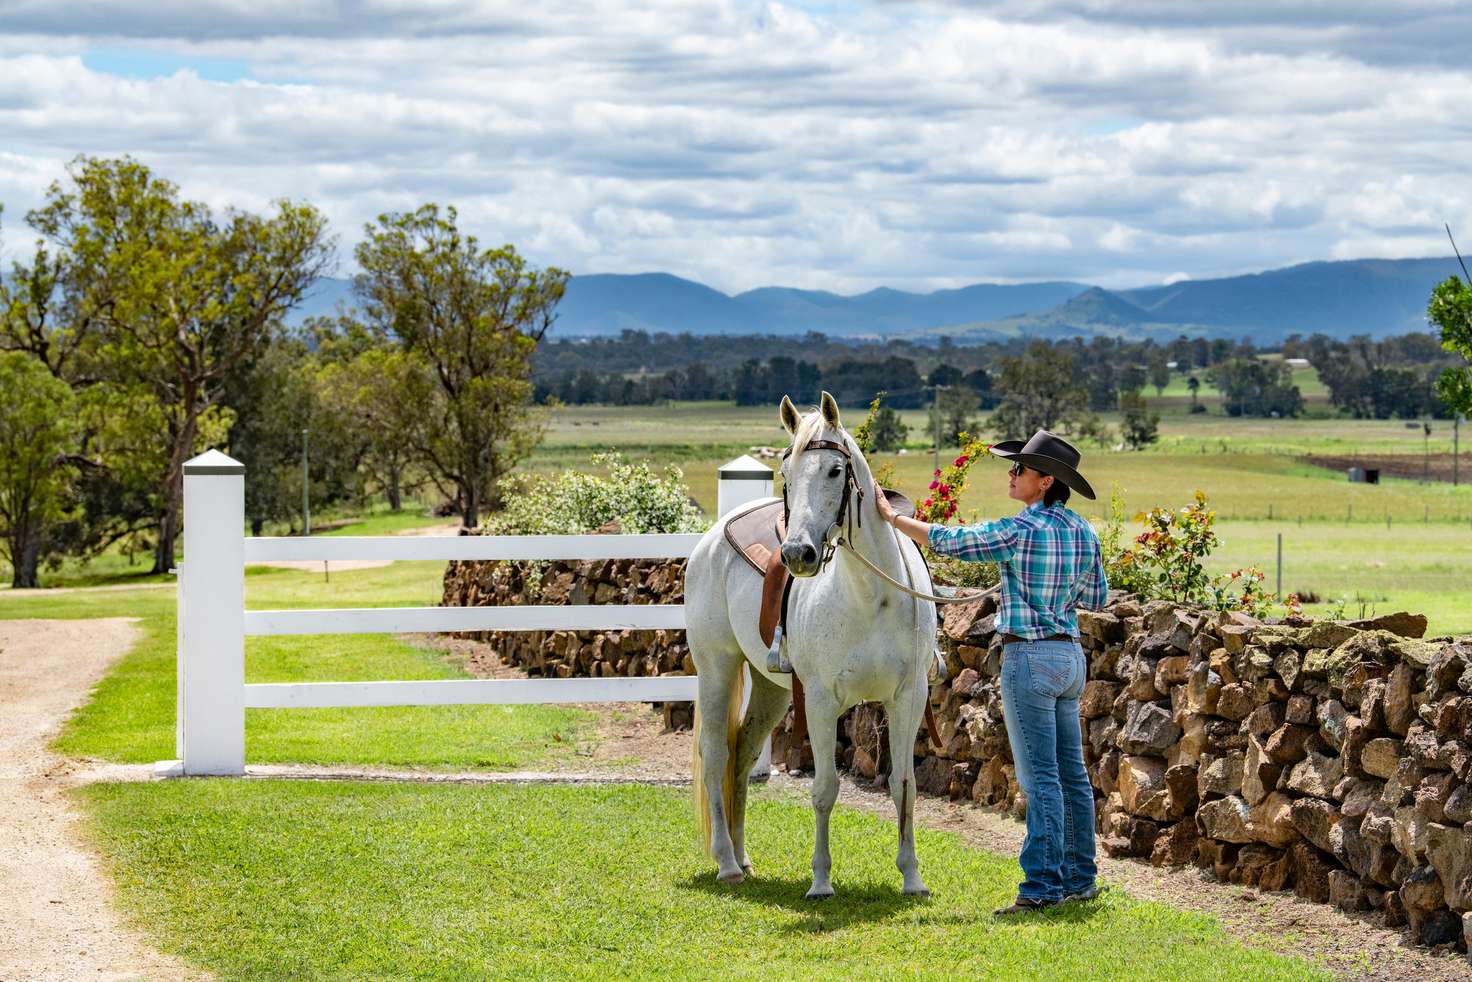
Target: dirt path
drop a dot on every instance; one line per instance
(56, 918)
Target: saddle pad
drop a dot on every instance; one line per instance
(757, 532)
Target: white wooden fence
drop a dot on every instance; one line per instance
(213, 622)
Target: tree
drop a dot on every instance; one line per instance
(1450, 310)
(1159, 370)
(164, 302)
(1194, 384)
(1139, 427)
(1251, 387)
(468, 319)
(955, 405)
(1038, 392)
(369, 400)
(38, 429)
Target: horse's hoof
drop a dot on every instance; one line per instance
(732, 878)
(921, 892)
(820, 894)
(748, 869)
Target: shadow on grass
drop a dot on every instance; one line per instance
(873, 903)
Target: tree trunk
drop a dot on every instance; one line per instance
(395, 497)
(470, 507)
(25, 553)
(169, 523)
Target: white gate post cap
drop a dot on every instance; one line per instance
(213, 462)
(744, 468)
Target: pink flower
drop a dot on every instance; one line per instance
(945, 489)
(927, 502)
(934, 485)
(960, 461)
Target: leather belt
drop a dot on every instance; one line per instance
(1014, 639)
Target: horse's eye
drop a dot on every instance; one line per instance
(834, 472)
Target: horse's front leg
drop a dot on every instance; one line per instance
(768, 703)
(904, 714)
(823, 732)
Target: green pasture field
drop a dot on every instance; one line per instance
(1336, 540)
(130, 717)
(276, 879)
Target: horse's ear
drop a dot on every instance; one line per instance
(790, 417)
(829, 407)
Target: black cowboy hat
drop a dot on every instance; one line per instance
(1049, 454)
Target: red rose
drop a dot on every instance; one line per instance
(934, 485)
(960, 461)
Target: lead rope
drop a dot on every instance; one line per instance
(956, 599)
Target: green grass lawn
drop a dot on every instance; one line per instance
(269, 879)
(130, 717)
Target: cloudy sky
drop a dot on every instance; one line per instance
(828, 145)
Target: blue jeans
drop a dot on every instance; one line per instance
(1041, 685)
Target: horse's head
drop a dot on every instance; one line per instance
(817, 481)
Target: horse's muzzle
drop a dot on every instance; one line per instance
(800, 558)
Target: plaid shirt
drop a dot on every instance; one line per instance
(1049, 560)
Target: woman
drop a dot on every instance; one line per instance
(1050, 564)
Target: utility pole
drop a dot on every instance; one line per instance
(935, 415)
(1456, 448)
(1426, 452)
(306, 489)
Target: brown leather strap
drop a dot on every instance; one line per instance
(820, 445)
(933, 730)
(1014, 639)
(799, 713)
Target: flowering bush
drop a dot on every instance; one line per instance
(948, 483)
(1166, 561)
(574, 502)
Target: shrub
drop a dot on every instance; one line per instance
(1165, 561)
(574, 502)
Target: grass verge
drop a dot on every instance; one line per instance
(130, 717)
(266, 880)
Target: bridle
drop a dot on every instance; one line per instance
(851, 490)
(846, 513)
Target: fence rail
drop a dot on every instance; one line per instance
(213, 622)
(470, 547)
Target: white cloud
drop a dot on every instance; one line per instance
(748, 143)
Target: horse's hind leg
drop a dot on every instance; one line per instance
(716, 680)
(768, 703)
(904, 719)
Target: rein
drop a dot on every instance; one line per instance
(852, 489)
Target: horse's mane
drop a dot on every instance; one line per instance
(809, 428)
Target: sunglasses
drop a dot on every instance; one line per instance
(1016, 470)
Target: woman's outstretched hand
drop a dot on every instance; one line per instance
(886, 510)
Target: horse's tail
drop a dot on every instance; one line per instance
(697, 762)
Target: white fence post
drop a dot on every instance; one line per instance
(739, 482)
(212, 649)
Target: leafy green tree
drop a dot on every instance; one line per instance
(956, 405)
(38, 430)
(1038, 392)
(166, 301)
(1159, 370)
(469, 320)
(1450, 310)
(1194, 385)
(1251, 387)
(1139, 427)
(373, 401)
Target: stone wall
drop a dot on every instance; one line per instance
(584, 654)
(1331, 759)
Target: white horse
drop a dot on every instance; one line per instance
(851, 638)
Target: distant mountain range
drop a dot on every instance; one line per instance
(1365, 296)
